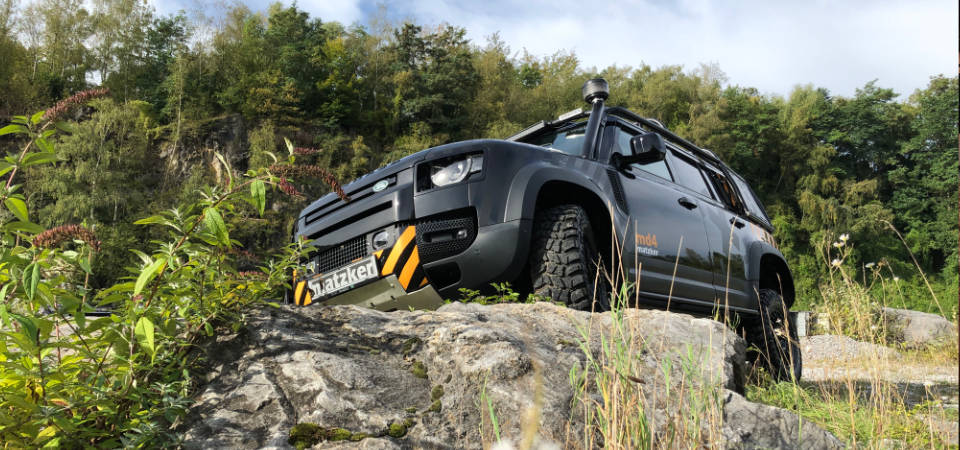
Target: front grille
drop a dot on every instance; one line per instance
(355, 195)
(433, 250)
(341, 254)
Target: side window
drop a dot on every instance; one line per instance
(689, 176)
(569, 141)
(724, 190)
(622, 146)
(750, 199)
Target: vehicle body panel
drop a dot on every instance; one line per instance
(478, 231)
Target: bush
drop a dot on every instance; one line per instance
(71, 378)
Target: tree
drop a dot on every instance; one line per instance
(434, 78)
(58, 30)
(924, 182)
(106, 177)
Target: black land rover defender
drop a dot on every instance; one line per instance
(548, 208)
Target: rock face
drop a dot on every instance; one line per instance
(349, 377)
(918, 329)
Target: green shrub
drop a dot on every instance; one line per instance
(71, 379)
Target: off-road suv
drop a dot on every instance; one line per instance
(547, 208)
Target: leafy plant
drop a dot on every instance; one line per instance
(112, 368)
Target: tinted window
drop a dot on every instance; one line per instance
(688, 175)
(724, 190)
(568, 141)
(750, 199)
(658, 168)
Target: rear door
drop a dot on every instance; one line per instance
(667, 249)
(730, 236)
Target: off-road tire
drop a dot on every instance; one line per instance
(563, 259)
(773, 339)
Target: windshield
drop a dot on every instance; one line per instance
(569, 140)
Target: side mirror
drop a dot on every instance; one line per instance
(646, 148)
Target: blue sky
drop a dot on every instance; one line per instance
(768, 44)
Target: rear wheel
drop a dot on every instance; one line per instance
(563, 259)
(774, 339)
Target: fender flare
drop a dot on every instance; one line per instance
(528, 181)
(758, 250)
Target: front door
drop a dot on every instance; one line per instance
(666, 251)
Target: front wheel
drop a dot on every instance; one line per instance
(563, 259)
(774, 338)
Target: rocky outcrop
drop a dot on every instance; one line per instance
(918, 329)
(828, 349)
(339, 377)
(196, 144)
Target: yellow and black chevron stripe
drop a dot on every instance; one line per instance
(403, 260)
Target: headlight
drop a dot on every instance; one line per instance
(453, 171)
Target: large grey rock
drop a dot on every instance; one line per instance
(918, 329)
(830, 348)
(430, 374)
(755, 426)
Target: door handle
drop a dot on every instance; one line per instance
(735, 222)
(686, 203)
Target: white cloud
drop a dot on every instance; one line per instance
(769, 45)
(343, 11)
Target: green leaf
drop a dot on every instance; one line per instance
(152, 220)
(4, 315)
(5, 167)
(148, 273)
(31, 286)
(214, 223)
(24, 226)
(65, 127)
(36, 117)
(28, 328)
(17, 207)
(13, 128)
(85, 265)
(145, 336)
(143, 256)
(259, 192)
(44, 145)
(289, 145)
(208, 328)
(38, 158)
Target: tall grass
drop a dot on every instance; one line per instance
(860, 404)
(878, 399)
(625, 406)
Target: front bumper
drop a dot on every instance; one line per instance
(460, 238)
(399, 263)
(386, 294)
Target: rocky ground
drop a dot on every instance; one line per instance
(837, 364)
(359, 378)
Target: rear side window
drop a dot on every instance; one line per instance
(569, 141)
(750, 199)
(689, 176)
(725, 190)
